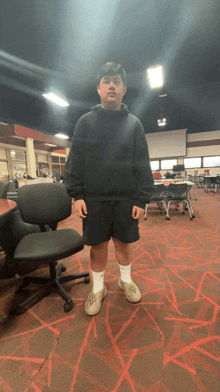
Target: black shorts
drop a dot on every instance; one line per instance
(106, 219)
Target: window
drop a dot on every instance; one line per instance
(211, 161)
(167, 164)
(42, 158)
(55, 170)
(62, 160)
(18, 155)
(19, 169)
(191, 163)
(55, 159)
(154, 165)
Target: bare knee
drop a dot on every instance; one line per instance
(120, 246)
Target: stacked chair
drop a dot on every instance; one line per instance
(218, 182)
(158, 197)
(45, 205)
(164, 195)
(179, 193)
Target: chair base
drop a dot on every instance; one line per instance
(55, 280)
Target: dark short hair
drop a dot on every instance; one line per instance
(111, 69)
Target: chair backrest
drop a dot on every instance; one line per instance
(3, 189)
(158, 190)
(13, 185)
(178, 190)
(44, 204)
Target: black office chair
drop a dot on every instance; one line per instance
(13, 230)
(4, 185)
(46, 204)
(179, 193)
(157, 197)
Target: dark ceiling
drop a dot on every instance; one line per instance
(59, 45)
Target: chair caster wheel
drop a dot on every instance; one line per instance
(183, 212)
(167, 218)
(87, 279)
(64, 268)
(191, 218)
(68, 307)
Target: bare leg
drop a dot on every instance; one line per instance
(99, 256)
(122, 252)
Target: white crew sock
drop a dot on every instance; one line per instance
(125, 271)
(98, 281)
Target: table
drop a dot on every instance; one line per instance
(172, 181)
(6, 208)
(212, 179)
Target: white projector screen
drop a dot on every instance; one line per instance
(167, 144)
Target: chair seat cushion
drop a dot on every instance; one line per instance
(49, 246)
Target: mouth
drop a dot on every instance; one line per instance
(112, 94)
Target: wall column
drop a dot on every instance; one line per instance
(67, 150)
(31, 169)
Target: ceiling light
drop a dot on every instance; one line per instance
(161, 122)
(18, 137)
(155, 76)
(50, 145)
(62, 136)
(55, 99)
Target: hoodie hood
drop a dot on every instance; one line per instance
(112, 113)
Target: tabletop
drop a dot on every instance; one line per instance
(170, 181)
(6, 207)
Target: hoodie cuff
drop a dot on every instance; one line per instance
(79, 197)
(141, 204)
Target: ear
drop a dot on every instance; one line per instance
(98, 90)
(124, 90)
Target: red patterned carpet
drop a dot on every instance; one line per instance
(169, 342)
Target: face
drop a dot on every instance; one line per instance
(111, 91)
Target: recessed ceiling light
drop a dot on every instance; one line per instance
(55, 99)
(50, 145)
(62, 136)
(155, 76)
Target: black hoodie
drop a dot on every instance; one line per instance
(109, 158)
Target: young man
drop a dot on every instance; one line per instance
(157, 174)
(108, 174)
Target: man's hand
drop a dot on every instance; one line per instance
(137, 212)
(80, 207)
